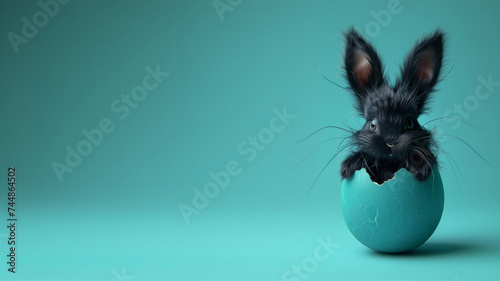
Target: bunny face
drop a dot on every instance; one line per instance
(391, 127)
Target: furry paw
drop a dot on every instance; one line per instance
(350, 165)
(346, 170)
(421, 173)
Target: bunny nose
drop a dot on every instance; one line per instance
(389, 145)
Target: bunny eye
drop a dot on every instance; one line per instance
(373, 124)
(409, 123)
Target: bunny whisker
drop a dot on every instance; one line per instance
(318, 143)
(453, 118)
(448, 156)
(326, 165)
(310, 154)
(453, 159)
(468, 145)
(343, 88)
(323, 128)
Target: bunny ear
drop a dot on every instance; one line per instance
(363, 67)
(422, 67)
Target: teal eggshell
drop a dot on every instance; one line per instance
(397, 216)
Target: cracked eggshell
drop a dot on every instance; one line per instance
(397, 216)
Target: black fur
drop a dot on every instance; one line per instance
(395, 110)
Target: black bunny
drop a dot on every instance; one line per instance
(392, 138)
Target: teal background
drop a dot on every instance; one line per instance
(119, 210)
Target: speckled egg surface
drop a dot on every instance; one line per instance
(397, 216)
